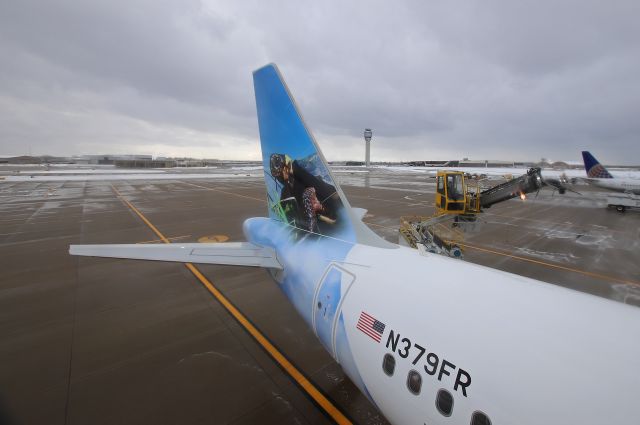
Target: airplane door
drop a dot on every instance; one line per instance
(327, 302)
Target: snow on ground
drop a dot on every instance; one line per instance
(206, 167)
(558, 257)
(78, 166)
(347, 170)
(92, 171)
(248, 168)
(99, 177)
(498, 171)
(58, 171)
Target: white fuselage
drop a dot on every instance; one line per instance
(618, 185)
(519, 350)
(536, 353)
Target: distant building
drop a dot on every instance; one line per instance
(82, 160)
(42, 159)
(144, 163)
(564, 165)
(190, 162)
(487, 163)
(24, 159)
(432, 163)
(111, 159)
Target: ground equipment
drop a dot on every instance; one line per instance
(458, 202)
(622, 202)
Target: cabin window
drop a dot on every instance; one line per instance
(388, 364)
(480, 418)
(444, 402)
(441, 185)
(414, 382)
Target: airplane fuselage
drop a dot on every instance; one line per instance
(618, 185)
(519, 350)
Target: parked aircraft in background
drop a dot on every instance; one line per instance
(426, 338)
(599, 176)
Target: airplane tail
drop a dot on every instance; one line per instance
(593, 168)
(301, 190)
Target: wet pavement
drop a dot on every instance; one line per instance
(103, 341)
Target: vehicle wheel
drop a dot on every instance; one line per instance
(620, 208)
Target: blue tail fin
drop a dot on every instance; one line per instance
(594, 169)
(301, 190)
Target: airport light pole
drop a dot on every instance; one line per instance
(367, 138)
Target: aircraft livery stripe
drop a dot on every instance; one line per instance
(316, 395)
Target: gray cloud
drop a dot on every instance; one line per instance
(483, 79)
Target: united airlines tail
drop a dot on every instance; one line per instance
(594, 169)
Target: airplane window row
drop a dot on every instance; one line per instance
(444, 399)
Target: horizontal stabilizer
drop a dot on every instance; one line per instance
(230, 253)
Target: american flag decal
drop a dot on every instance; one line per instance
(370, 326)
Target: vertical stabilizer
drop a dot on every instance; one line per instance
(594, 169)
(301, 190)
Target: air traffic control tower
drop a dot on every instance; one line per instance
(367, 138)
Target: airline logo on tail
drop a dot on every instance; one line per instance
(594, 169)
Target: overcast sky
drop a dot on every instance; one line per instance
(434, 80)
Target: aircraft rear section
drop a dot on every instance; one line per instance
(447, 335)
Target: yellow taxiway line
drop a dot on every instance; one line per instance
(275, 354)
(160, 240)
(533, 261)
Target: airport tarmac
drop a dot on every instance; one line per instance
(105, 341)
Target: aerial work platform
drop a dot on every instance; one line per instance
(458, 202)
